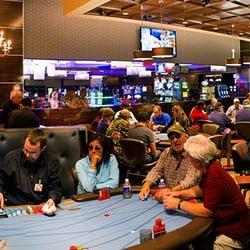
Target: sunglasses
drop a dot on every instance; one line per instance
(96, 148)
(174, 135)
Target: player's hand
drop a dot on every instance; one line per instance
(159, 194)
(144, 191)
(50, 203)
(1, 200)
(170, 202)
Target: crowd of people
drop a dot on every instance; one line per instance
(30, 175)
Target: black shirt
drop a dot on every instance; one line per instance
(23, 118)
(18, 178)
(8, 107)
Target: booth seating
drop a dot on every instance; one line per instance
(64, 142)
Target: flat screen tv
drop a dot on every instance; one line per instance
(152, 38)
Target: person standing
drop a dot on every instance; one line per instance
(12, 104)
(30, 175)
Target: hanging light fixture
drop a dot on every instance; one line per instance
(5, 45)
(233, 61)
(246, 60)
(162, 52)
(142, 55)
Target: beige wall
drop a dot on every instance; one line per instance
(48, 34)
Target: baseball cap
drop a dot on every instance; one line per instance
(246, 103)
(124, 113)
(236, 100)
(176, 128)
(107, 112)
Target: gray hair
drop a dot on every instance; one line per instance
(201, 148)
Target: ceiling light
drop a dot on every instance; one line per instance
(125, 13)
(215, 28)
(233, 61)
(184, 22)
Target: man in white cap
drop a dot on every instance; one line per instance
(233, 109)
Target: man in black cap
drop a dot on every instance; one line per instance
(173, 164)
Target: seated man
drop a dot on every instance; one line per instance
(222, 199)
(24, 117)
(197, 113)
(107, 117)
(158, 119)
(30, 175)
(173, 164)
(143, 133)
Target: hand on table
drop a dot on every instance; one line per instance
(160, 193)
(49, 208)
(171, 202)
(1, 200)
(144, 193)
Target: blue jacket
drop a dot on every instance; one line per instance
(88, 180)
(163, 119)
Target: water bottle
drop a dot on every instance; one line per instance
(127, 192)
(161, 184)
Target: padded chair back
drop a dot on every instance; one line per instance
(210, 128)
(133, 151)
(216, 139)
(226, 141)
(239, 152)
(243, 130)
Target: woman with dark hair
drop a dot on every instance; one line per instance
(99, 168)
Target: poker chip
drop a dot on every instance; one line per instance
(107, 215)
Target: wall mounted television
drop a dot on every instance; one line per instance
(152, 38)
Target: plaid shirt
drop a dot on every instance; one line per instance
(176, 171)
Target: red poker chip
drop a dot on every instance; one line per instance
(73, 248)
(106, 215)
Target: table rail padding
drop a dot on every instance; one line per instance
(94, 196)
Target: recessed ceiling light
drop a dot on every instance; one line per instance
(215, 28)
(185, 22)
(125, 13)
(241, 33)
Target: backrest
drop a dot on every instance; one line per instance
(226, 141)
(133, 151)
(243, 130)
(210, 128)
(64, 142)
(239, 152)
(216, 139)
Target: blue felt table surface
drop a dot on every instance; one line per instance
(85, 224)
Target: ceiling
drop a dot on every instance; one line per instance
(217, 15)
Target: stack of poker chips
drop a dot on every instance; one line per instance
(145, 235)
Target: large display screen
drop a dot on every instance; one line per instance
(153, 38)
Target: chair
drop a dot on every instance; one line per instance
(226, 147)
(241, 164)
(134, 156)
(210, 128)
(216, 139)
(243, 130)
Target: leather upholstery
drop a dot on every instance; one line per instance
(65, 142)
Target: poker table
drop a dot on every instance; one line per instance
(114, 223)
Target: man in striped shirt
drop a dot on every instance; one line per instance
(173, 165)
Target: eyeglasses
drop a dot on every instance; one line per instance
(96, 148)
(26, 152)
(174, 135)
